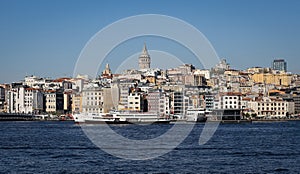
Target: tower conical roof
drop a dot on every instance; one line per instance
(145, 51)
(144, 59)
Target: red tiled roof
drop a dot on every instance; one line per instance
(31, 89)
(231, 94)
(247, 99)
(61, 79)
(50, 91)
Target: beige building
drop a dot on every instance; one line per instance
(54, 101)
(76, 103)
(276, 79)
(50, 101)
(92, 99)
(109, 101)
(135, 102)
(195, 80)
(269, 107)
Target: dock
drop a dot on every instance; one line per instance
(16, 117)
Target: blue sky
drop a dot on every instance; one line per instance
(45, 38)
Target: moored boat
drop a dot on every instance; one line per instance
(196, 115)
(117, 117)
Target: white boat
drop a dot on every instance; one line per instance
(196, 115)
(94, 118)
(117, 117)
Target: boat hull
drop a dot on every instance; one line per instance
(119, 119)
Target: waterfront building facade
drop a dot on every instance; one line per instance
(209, 101)
(164, 92)
(179, 103)
(296, 98)
(136, 102)
(25, 100)
(2, 98)
(109, 103)
(54, 101)
(76, 103)
(229, 100)
(158, 102)
(92, 99)
(271, 107)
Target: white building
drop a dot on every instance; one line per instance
(78, 84)
(205, 73)
(164, 105)
(25, 100)
(34, 81)
(228, 100)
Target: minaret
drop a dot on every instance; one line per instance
(144, 59)
(107, 70)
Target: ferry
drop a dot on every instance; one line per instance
(118, 117)
(196, 115)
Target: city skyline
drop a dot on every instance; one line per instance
(45, 38)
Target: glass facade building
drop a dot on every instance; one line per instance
(280, 65)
